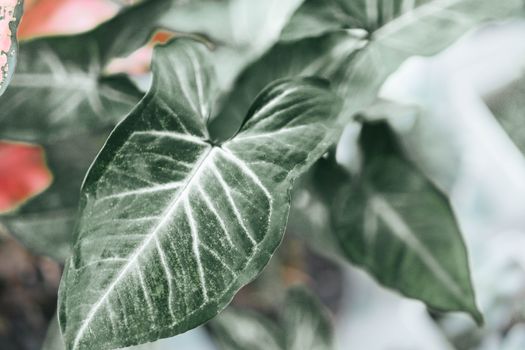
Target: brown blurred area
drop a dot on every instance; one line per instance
(28, 289)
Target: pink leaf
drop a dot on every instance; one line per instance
(23, 173)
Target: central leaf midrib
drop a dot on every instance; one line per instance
(207, 154)
(390, 216)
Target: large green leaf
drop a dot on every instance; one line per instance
(59, 89)
(508, 106)
(305, 325)
(390, 220)
(172, 225)
(10, 15)
(242, 30)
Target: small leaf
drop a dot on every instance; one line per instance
(393, 222)
(172, 225)
(304, 325)
(10, 15)
(59, 89)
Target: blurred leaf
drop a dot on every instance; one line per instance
(10, 15)
(402, 25)
(59, 91)
(305, 325)
(508, 106)
(306, 322)
(242, 30)
(243, 330)
(393, 222)
(52, 17)
(53, 340)
(310, 57)
(45, 223)
(71, 137)
(399, 29)
(185, 226)
(357, 62)
(23, 173)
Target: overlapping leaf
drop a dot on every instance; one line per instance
(241, 30)
(305, 325)
(59, 91)
(70, 122)
(393, 222)
(322, 57)
(10, 15)
(171, 224)
(358, 61)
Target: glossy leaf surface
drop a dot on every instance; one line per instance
(172, 225)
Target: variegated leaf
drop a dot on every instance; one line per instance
(59, 89)
(173, 224)
(10, 15)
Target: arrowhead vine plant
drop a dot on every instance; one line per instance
(165, 203)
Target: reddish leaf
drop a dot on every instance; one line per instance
(23, 173)
(51, 17)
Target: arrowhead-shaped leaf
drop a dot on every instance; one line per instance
(59, 89)
(304, 325)
(392, 221)
(171, 224)
(10, 15)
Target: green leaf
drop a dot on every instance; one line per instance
(423, 28)
(172, 225)
(392, 221)
(306, 322)
(10, 15)
(316, 56)
(305, 325)
(241, 30)
(508, 106)
(44, 106)
(59, 89)
(357, 61)
(45, 223)
(235, 329)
